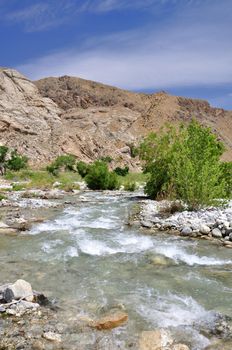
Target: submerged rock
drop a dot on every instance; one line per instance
(159, 339)
(110, 321)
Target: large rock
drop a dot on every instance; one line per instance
(155, 340)
(204, 229)
(216, 233)
(110, 321)
(28, 121)
(22, 289)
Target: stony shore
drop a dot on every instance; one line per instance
(214, 224)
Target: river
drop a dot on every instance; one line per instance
(89, 259)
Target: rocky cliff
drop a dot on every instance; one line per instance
(88, 119)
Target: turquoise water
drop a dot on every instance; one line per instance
(88, 258)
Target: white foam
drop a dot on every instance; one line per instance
(94, 247)
(72, 252)
(48, 246)
(178, 253)
(173, 311)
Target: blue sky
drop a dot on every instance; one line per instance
(180, 46)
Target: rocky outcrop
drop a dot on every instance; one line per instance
(28, 121)
(90, 120)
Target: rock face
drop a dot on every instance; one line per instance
(28, 121)
(71, 115)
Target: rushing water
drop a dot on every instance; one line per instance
(90, 260)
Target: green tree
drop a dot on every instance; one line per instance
(184, 163)
(82, 168)
(16, 161)
(100, 178)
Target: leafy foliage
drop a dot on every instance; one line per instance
(121, 171)
(100, 178)
(3, 153)
(66, 162)
(16, 161)
(130, 186)
(184, 164)
(227, 176)
(82, 168)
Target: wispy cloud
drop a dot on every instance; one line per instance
(52, 13)
(193, 49)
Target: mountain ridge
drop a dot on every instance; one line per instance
(52, 116)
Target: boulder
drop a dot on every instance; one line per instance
(22, 289)
(110, 321)
(155, 340)
(216, 233)
(186, 231)
(204, 229)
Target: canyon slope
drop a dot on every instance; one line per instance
(71, 115)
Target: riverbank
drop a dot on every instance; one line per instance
(213, 224)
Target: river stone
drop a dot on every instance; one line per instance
(110, 321)
(52, 336)
(155, 340)
(230, 236)
(180, 347)
(147, 224)
(216, 233)
(8, 295)
(22, 289)
(204, 229)
(186, 231)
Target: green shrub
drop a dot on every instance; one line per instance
(113, 182)
(134, 151)
(65, 161)
(16, 161)
(82, 168)
(227, 176)
(121, 171)
(130, 186)
(3, 153)
(184, 164)
(100, 178)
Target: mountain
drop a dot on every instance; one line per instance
(72, 115)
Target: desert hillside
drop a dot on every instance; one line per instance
(56, 115)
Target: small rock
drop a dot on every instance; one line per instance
(147, 224)
(22, 289)
(186, 231)
(110, 321)
(2, 309)
(8, 295)
(180, 347)
(204, 229)
(216, 233)
(155, 340)
(52, 336)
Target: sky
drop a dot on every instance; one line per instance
(183, 47)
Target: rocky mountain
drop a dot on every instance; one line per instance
(71, 115)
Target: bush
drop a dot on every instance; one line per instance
(121, 171)
(99, 177)
(130, 186)
(66, 162)
(16, 161)
(3, 153)
(227, 176)
(184, 164)
(82, 168)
